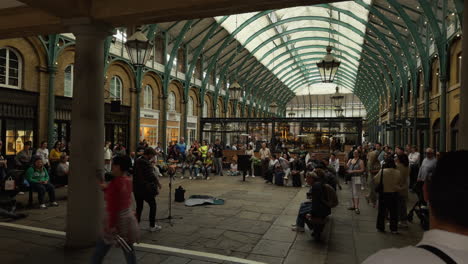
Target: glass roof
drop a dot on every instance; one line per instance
(289, 42)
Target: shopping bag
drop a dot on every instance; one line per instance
(10, 184)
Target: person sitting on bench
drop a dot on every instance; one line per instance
(38, 179)
(314, 205)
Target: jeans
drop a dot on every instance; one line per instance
(414, 170)
(304, 209)
(151, 200)
(102, 248)
(219, 166)
(41, 189)
(388, 202)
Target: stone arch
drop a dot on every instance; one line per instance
(153, 80)
(220, 107)
(125, 73)
(30, 60)
(208, 103)
(177, 88)
(65, 58)
(194, 94)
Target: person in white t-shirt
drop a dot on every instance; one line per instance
(446, 241)
(107, 157)
(43, 152)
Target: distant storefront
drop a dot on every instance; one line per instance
(149, 126)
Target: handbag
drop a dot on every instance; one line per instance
(10, 184)
(379, 187)
(123, 244)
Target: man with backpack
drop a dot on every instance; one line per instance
(320, 199)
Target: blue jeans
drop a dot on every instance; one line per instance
(102, 248)
(305, 209)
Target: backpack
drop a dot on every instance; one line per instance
(330, 198)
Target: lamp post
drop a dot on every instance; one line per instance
(139, 49)
(328, 66)
(273, 108)
(339, 112)
(337, 98)
(235, 92)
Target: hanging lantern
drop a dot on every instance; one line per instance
(235, 91)
(339, 112)
(328, 66)
(337, 98)
(273, 107)
(139, 48)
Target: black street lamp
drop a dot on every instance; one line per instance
(139, 49)
(328, 66)
(235, 91)
(337, 98)
(339, 112)
(273, 108)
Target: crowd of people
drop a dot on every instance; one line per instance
(383, 175)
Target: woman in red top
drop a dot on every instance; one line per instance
(120, 219)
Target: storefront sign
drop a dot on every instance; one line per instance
(147, 113)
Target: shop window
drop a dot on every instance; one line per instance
(190, 106)
(172, 134)
(171, 102)
(116, 88)
(150, 134)
(68, 81)
(18, 132)
(10, 68)
(148, 97)
(192, 136)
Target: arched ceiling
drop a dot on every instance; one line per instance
(382, 45)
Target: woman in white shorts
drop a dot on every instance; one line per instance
(355, 168)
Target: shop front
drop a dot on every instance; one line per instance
(116, 125)
(149, 126)
(191, 130)
(173, 126)
(17, 121)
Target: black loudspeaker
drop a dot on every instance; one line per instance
(115, 106)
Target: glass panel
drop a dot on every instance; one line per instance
(150, 134)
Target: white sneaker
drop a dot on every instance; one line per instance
(54, 204)
(42, 206)
(181, 177)
(155, 228)
(362, 188)
(247, 176)
(190, 178)
(207, 178)
(253, 176)
(21, 193)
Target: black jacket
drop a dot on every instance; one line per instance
(316, 194)
(143, 175)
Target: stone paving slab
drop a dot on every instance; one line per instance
(253, 224)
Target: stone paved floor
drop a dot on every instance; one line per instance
(253, 224)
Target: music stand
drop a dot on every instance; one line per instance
(243, 164)
(171, 170)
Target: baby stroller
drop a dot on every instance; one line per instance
(422, 212)
(8, 200)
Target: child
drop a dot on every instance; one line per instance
(197, 167)
(234, 171)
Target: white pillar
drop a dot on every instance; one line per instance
(85, 200)
(462, 140)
